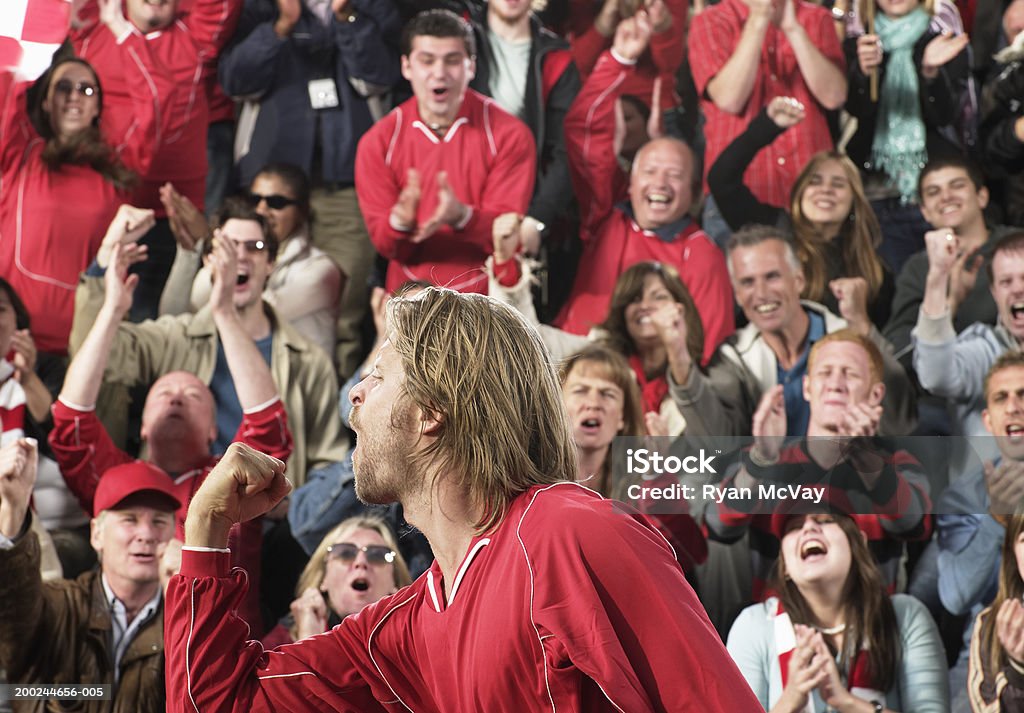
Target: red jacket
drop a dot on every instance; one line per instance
(613, 241)
(491, 163)
(84, 451)
(183, 50)
(543, 615)
(52, 222)
(662, 58)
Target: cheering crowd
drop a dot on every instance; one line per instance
(784, 228)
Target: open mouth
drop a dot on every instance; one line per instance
(242, 280)
(591, 425)
(658, 199)
(813, 550)
(1015, 432)
(360, 584)
(143, 558)
(767, 307)
(440, 93)
(1016, 310)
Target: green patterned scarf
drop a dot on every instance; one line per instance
(899, 147)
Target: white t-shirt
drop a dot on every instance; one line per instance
(508, 64)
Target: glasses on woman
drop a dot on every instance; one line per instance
(275, 201)
(346, 553)
(66, 87)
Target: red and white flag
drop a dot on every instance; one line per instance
(30, 32)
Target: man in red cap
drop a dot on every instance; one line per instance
(106, 627)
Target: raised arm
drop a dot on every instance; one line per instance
(731, 84)
(946, 365)
(818, 54)
(366, 32)
(590, 126)
(150, 88)
(210, 663)
(85, 373)
(249, 370)
(739, 206)
(248, 66)
(21, 586)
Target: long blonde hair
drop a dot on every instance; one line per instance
(482, 371)
(859, 236)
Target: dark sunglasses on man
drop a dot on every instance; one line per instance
(346, 552)
(66, 86)
(275, 201)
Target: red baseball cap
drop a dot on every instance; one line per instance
(130, 478)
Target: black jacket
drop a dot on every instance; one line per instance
(547, 100)
(940, 101)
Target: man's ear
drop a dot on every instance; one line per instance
(95, 532)
(431, 423)
(876, 394)
(406, 68)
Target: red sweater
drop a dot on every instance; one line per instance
(182, 50)
(544, 615)
(52, 222)
(491, 163)
(613, 241)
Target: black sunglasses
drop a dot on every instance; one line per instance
(375, 554)
(66, 86)
(274, 202)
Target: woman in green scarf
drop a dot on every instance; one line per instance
(922, 75)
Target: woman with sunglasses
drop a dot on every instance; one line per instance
(357, 563)
(832, 639)
(306, 284)
(63, 177)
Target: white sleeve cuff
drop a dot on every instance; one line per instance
(260, 407)
(76, 407)
(395, 225)
(465, 221)
(195, 548)
(622, 60)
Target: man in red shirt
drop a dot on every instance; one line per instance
(654, 224)
(182, 43)
(543, 596)
(743, 54)
(433, 174)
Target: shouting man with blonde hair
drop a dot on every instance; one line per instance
(543, 596)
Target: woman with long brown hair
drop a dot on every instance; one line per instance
(832, 638)
(995, 681)
(63, 177)
(652, 321)
(836, 233)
